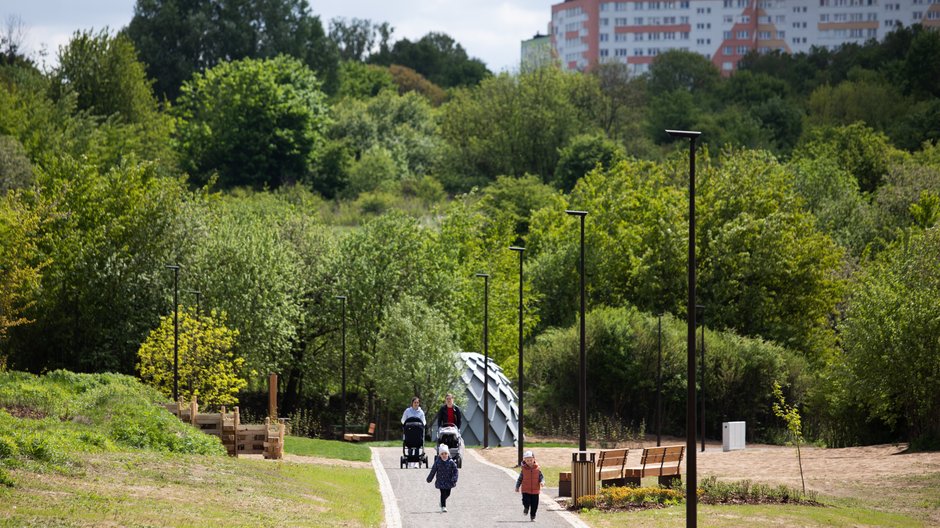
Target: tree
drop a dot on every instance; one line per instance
(409, 80)
(254, 122)
(416, 354)
(635, 238)
(765, 268)
(890, 352)
(207, 366)
(515, 200)
(356, 39)
(860, 150)
(438, 57)
(583, 155)
(513, 125)
(243, 264)
(16, 171)
(178, 38)
(105, 241)
(104, 73)
(362, 81)
(921, 67)
(791, 415)
(682, 70)
(20, 262)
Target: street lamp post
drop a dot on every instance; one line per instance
(659, 384)
(521, 250)
(176, 330)
(691, 499)
(582, 377)
(342, 299)
(486, 359)
(701, 308)
(198, 295)
(193, 338)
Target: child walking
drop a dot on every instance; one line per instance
(530, 481)
(446, 471)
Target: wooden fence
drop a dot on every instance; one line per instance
(239, 439)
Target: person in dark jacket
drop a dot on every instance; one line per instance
(530, 483)
(449, 413)
(446, 471)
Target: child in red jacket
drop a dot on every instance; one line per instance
(530, 482)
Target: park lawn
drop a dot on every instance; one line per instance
(783, 516)
(143, 488)
(909, 501)
(356, 452)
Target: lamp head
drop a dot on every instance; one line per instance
(516, 248)
(481, 274)
(173, 266)
(573, 212)
(341, 297)
(691, 134)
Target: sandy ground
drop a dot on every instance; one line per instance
(833, 472)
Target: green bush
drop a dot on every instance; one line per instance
(6, 479)
(713, 491)
(8, 448)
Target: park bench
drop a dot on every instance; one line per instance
(360, 437)
(662, 462)
(609, 468)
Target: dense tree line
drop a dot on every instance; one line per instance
(278, 182)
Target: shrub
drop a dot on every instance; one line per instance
(8, 448)
(6, 479)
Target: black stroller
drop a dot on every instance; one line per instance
(412, 448)
(449, 435)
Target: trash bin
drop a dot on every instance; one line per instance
(583, 478)
(732, 436)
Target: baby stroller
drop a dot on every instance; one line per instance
(412, 448)
(449, 435)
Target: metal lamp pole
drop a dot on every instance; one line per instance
(691, 499)
(659, 384)
(176, 330)
(582, 377)
(194, 338)
(486, 359)
(521, 250)
(701, 308)
(342, 299)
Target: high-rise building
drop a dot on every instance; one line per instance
(633, 32)
(536, 52)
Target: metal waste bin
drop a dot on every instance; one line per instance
(583, 479)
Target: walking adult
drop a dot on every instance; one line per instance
(449, 413)
(414, 411)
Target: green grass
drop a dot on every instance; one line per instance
(96, 450)
(358, 452)
(156, 489)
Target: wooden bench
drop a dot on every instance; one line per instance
(360, 437)
(662, 462)
(609, 470)
(610, 466)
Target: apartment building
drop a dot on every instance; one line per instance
(633, 32)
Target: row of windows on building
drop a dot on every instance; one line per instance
(635, 52)
(640, 6)
(637, 37)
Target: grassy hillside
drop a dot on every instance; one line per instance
(95, 450)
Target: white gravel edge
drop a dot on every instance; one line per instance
(392, 514)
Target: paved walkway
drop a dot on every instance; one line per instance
(483, 497)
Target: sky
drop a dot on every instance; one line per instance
(490, 30)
